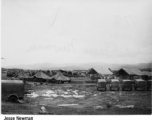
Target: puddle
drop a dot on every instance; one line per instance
(75, 92)
(48, 98)
(57, 93)
(66, 92)
(66, 96)
(50, 95)
(50, 92)
(78, 96)
(128, 106)
(95, 95)
(46, 95)
(54, 95)
(64, 105)
(32, 95)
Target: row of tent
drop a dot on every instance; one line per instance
(63, 74)
(60, 73)
(108, 71)
(123, 73)
(40, 75)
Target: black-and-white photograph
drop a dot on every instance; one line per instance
(76, 57)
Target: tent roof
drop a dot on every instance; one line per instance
(92, 71)
(104, 71)
(40, 74)
(132, 71)
(81, 71)
(22, 75)
(60, 76)
(83, 74)
(147, 73)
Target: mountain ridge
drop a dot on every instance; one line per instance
(80, 66)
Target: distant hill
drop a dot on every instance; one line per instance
(141, 66)
(82, 66)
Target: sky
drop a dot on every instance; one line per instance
(76, 31)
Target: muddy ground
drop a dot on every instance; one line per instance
(80, 99)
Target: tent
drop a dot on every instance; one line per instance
(22, 75)
(93, 74)
(42, 76)
(60, 77)
(83, 74)
(132, 71)
(104, 71)
(92, 71)
(126, 73)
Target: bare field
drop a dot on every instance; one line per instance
(80, 99)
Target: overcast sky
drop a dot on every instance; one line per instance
(76, 31)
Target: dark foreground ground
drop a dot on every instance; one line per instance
(80, 99)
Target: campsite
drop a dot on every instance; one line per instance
(80, 96)
(76, 57)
